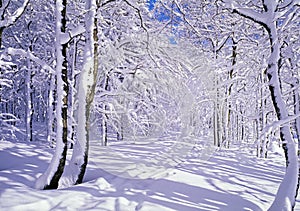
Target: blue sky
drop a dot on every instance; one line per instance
(163, 15)
(151, 4)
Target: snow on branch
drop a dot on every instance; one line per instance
(6, 82)
(107, 2)
(258, 17)
(250, 14)
(7, 117)
(138, 12)
(28, 54)
(67, 37)
(289, 14)
(4, 7)
(222, 43)
(277, 124)
(286, 5)
(180, 9)
(8, 21)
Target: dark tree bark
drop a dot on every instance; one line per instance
(285, 198)
(92, 37)
(64, 110)
(50, 179)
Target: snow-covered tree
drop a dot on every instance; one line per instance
(87, 82)
(268, 16)
(7, 20)
(50, 179)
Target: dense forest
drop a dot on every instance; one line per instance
(133, 71)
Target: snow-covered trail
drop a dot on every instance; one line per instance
(124, 179)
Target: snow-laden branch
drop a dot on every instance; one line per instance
(257, 17)
(286, 5)
(8, 21)
(289, 15)
(222, 43)
(107, 2)
(7, 117)
(291, 90)
(188, 22)
(4, 8)
(138, 12)
(67, 37)
(250, 14)
(268, 129)
(6, 82)
(29, 55)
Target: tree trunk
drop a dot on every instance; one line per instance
(296, 102)
(87, 84)
(104, 115)
(50, 179)
(1, 71)
(285, 197)
(288, 187)
(229, 91)
(73, 81)
(87, 90)
(50, 111)
(29, 107)
(216, 119)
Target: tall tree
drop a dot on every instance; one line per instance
(7, 20)
(268, 17)
(9, 15)
(50, 179)
(87, 82)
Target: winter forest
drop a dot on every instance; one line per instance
(147, 105)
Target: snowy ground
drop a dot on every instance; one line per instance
(132, 177)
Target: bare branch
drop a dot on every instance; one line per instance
(139, 14)
(107, 2)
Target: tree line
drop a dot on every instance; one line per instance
(123, 69)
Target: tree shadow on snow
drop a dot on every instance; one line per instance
(20, 164)
(163, 193)
(234, 182)
(252, 177)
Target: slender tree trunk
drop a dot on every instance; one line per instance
(73, 81)
(262, 116)
(104, 129)
(50, 111)
(288, 187)
(297, 121)
(29, 99)
(296, 99)
(1, 32)
(50, 179)
(87, 84)
(89, 73)
(104, 115)
(29, 107)
(1, 72)
(216, 119)
(229, 91)
(285, 197)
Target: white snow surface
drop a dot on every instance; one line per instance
(118, 179)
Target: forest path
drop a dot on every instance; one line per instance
(199, 179)
(127, 180)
